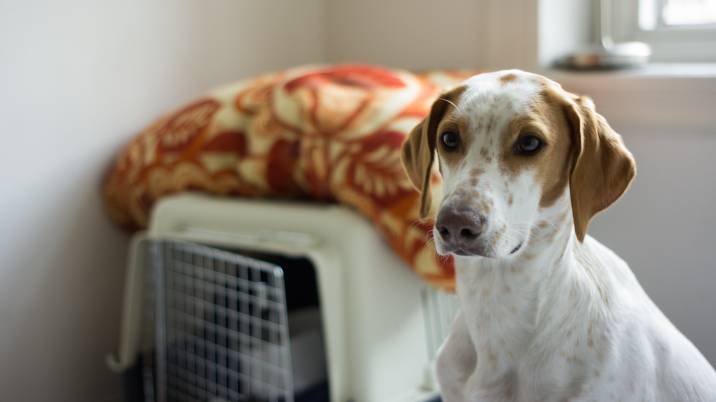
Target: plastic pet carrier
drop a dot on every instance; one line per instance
(235, 300)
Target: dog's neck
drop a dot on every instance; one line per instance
(509, 304)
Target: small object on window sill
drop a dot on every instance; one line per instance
(607, 55)
(600, 57)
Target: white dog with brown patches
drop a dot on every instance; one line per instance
(547, 312)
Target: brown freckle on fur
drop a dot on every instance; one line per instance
(509, 390)
(484, 152)
(563, 217)
(491, 123)
(485, 208)
(474, 181)
(510, 199)
(476, 172)
(507, 78)
(550, 235)
(493, 359)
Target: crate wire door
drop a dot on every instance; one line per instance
(220, 326)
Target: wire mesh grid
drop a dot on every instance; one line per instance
(439, 310)
(220, 327)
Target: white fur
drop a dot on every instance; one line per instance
(559, 320)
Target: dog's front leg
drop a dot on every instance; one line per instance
(456, 362)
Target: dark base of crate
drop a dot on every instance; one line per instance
(132, 381)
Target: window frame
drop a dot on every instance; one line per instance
(668, 43)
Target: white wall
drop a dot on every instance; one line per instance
(77, 79)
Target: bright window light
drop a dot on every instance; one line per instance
(687, 12)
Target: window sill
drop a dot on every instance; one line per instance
(664, 96)
(678, 71)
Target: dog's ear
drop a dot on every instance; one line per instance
(602, 167)
(418, 152)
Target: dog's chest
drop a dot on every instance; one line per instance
(499, 310)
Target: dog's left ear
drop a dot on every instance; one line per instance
(602, 167)
(418, 152)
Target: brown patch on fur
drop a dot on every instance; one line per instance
(507, 78)
(602, 166)
(552, 163)
(476, 172)
(418, 152)
(451, 121)
(510, 199)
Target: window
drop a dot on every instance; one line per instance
(677, 30)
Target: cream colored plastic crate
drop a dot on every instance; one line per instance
(381, 324)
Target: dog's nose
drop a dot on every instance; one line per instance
(462, 226)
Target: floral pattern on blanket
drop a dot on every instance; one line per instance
(330, 134)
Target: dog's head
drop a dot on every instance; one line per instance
(512, 146)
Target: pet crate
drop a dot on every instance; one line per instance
(238, 300)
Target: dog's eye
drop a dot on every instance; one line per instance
(450, 140)
(528, 145)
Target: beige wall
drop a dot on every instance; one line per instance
(414, 34)
(77, 79)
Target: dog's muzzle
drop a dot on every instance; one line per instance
(460, 230)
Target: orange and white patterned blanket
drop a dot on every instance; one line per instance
(328, 133)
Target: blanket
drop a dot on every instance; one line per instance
(324, 133)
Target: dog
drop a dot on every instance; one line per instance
(546, 313)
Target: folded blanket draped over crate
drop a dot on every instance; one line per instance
(327, 133)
